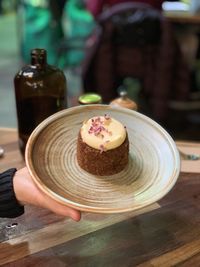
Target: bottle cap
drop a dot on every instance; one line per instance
(90, 98)
(38, 56)
(38, 51)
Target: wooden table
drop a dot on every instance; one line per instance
(164, 234)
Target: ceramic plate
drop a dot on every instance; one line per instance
(153, 168)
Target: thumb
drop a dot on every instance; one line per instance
(67, 211)
(64, 210)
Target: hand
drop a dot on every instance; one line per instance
(27, 192)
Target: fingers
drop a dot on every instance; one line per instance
(60, 209)
(67, 211)
(75, 215)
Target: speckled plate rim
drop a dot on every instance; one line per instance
(87, 208)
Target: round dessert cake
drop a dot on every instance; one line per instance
(102, 146)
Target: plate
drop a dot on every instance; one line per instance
(153, 168)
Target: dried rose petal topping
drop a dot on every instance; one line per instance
(96, 126)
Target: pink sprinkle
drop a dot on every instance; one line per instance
(98, 120)
(97, 127)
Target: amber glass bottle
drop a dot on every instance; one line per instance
(40, 91)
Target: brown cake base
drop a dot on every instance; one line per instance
(102, 163)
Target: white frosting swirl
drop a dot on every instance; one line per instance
(103, 133)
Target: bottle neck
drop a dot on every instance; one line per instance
(39, 58)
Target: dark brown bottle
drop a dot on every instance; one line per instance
(40, 91)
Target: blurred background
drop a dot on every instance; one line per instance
(152, 52)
